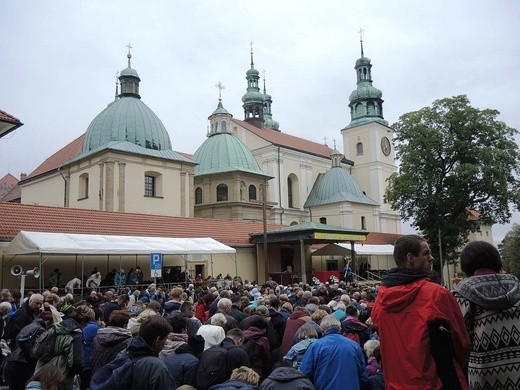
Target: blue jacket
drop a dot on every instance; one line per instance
(335, 362)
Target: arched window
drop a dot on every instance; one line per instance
(198, 195)
(223, 127)
(359, 148)
(83, 186)
(289, 192)
(222, 193)
(363, 223)
(252, 192)
(371, 108)
(293, 196)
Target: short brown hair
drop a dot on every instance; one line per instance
(118, 318)
(410, 243)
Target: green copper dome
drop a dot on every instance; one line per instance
(365, 92)
(127, 119)
(253, 96)
(335, 186)
(363, 61)
(223, 152)
(129, 72)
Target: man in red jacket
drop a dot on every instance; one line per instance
(424, 343)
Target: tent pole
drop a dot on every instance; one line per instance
(82, 273)
(236, 265)
(40, 282)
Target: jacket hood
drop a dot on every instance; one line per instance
(400, 276)
(396, 299)
(493, 291)
(299, 314)
(112, 335)
(137, 348)
(253, 333)
(286, 374)
(67, 326)
(354, 326)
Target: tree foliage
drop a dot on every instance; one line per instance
(454, 158)
(510, 249)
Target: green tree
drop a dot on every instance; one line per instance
(454, 159)
(510, 250)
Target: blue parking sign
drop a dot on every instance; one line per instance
(156, 263)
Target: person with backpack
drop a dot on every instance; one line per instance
(62, 345)
(138, 366)
(217, 362)
(20, 365)
(257, 347)
(353, 328)
(23, 317)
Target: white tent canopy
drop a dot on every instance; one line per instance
(370, 249)
(64, 243)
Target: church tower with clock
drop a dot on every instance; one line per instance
(367, 141)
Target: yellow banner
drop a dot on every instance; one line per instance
(339, 236)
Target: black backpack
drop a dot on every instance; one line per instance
(213, 367)
(44, 347)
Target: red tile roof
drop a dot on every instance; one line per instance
(6, 184)
(65, 154)
(14, 195)
(15, 217)
(5, 117)
(59, 158)
(287, 140)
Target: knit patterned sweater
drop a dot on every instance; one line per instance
(490, 305)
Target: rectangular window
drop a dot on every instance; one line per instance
(149, 186)
(363, 223)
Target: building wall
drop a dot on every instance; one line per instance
(372, 168)
(116, 183)
(48, 191)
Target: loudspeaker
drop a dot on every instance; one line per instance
(34, 272)
(16, 270)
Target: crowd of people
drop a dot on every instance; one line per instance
(406, 333)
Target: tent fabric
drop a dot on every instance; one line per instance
(343, 249)
(27, 242)
(371, 249)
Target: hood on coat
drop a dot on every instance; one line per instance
(396, 299)
(492, 291)
(300, 314)
(67, 326)
(112, 335)
(286, 374)
(137, 348)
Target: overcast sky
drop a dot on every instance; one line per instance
(58, 63)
